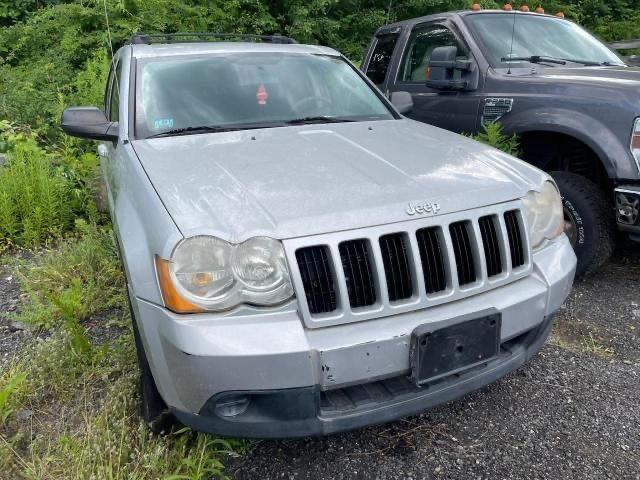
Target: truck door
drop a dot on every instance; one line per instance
(452, 110)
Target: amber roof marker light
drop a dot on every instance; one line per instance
(507, 7)
(524, 8)
(560, 15)
(539, 9)
(476, 7)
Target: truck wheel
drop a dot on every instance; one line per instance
(588, 219)
(153, 408)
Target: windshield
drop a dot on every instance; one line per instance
(537, 36)
(249, 90)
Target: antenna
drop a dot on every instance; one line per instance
(106, 16)
(513, 31)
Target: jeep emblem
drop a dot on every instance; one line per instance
(426, 208)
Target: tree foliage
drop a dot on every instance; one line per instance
(55, 52)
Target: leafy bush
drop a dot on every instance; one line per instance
(79, 278)
(33, 196)
(493, 135)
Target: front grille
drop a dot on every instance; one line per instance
(491, 245)
(317, 279)
(386, 270)
(396, 266)
(464, 252)
(357, 273)
(431, 258)
(516, 247)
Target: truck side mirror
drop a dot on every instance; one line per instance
(402, 101)
(90, 123)
(442, 67)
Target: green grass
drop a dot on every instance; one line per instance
(77, 279)
(80, 393)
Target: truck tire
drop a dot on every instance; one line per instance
(154, 410)
(589, 221)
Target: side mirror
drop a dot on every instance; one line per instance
(88, 122)
(442, 68)
(402, 101)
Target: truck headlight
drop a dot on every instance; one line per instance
(207, 273)
(544, 214)
(635, 142)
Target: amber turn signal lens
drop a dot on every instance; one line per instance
(172, 299)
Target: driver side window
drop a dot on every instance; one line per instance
(423, 40)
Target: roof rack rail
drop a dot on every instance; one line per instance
(190, 37)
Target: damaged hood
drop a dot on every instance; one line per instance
(305, 180)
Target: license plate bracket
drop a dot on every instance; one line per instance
(438, 353)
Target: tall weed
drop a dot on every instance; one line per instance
(492, 134)
(79, 278)
(34, 196)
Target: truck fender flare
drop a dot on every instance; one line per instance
(584, 128)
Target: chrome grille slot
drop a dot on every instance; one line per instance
(463, 251)
(385, 270)
(317, 278)
(432, 259)
(516, 245)
(356, 265)
(397, 271)
(491, 244)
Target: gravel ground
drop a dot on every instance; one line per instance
(572, 412)
(12, 336)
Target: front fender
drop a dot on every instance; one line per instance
(615, 157)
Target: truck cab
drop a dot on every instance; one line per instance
(573, 103)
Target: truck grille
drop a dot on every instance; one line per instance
(356, 265)
(394, 268)
(491, 245)
(397, 272)
(317, 279)
(431, 259)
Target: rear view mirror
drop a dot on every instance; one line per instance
(402, 101)
(442, 68)
(88, 122)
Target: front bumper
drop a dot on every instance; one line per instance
(296, 376)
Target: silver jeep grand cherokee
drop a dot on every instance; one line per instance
(301, 259)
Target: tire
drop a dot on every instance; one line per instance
(154, 410)
(589, 213)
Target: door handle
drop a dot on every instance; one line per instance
(102, 150)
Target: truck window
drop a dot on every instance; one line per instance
(423, 40)
(381, 58)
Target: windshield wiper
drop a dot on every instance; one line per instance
(535, 59)
(193, 130)
(317, 119)
(215, 129)
(592, 63)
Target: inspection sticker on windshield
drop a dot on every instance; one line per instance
(163, 123)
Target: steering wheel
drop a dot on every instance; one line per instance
(316, 98)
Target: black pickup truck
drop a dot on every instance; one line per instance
(574, 104)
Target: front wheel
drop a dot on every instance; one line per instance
(588, 221)
(154, 411)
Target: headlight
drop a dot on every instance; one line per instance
(544, 214)
(206, 273)
(635, 142)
